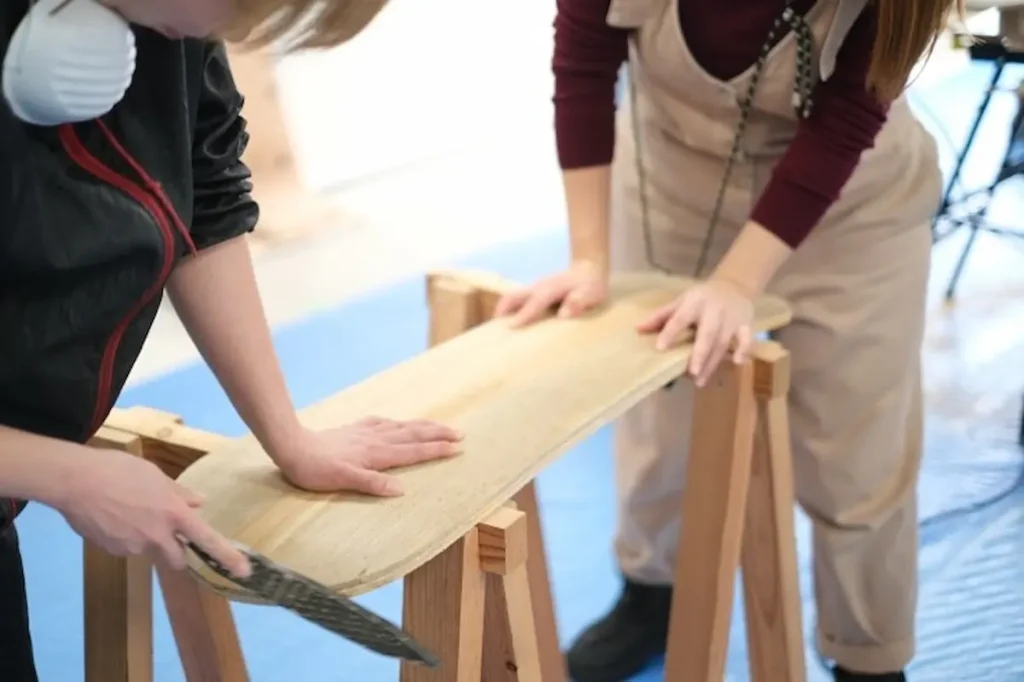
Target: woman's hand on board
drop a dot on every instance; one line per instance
(574, 291)
(358, 456)
(717, 315)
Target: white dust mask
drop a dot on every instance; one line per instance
(69, 66)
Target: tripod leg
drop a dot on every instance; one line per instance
(976, 220)
(947, 196)
(997, 74)
(962, 260)
(1020, 436)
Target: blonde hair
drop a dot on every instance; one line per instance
(907, 30)
(300, 24)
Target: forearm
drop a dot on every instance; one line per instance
(588, 54)
(753, 259)
(216, 297)
(36, 468)
(587, 197)
(823, 156)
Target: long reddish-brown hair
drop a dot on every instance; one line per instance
(907, 30)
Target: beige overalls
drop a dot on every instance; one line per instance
(857, 286)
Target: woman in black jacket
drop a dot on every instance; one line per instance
(112, 191)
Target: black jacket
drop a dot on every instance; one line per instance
(94, 218)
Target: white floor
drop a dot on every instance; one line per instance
(428, 156)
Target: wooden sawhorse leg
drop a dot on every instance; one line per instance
(458, 302)
(499, 642)
(482, 578)
(118, 591)
(771, 586)
(738, 505)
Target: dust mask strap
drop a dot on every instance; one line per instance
(67, 66)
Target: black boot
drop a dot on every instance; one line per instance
(626, 640)
(846, 676)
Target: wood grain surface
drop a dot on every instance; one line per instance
(522, 397)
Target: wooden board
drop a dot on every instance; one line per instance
(522, 397)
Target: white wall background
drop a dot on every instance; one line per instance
(425, 79)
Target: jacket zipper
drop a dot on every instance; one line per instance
(82, 157)
(153, 185)
(159, 206)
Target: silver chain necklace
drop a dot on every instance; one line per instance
(802, 102)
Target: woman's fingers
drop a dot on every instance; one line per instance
(197, 531)
(709, 329)
(511, 302)
(656, 322)
(541, 300)
(383, 456)
(744, 344)
(719, 349)
(581, 299)
(362, 480)
(678, 327)
(717, 327)
(572, 293)
(172, 552)
(574, 304)
(192, 499)
(416, 431)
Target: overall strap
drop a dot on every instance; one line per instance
(788, 20)
(630, 14)
(846, 14)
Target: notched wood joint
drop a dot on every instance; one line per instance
(771, 370)
(503, 541)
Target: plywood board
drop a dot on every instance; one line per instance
(522, 397)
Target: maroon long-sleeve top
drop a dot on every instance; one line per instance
(725, 37)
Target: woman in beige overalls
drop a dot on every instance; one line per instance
(857, 285)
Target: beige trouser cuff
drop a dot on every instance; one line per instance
(873, 659)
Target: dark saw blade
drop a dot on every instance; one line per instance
(317, 604)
